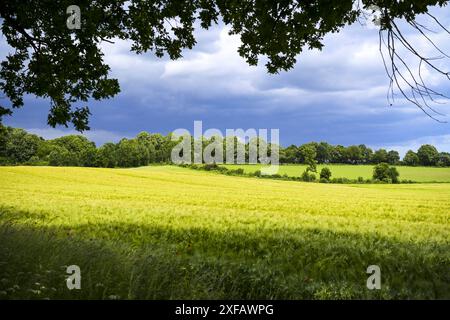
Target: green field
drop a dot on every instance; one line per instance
(174, 233)
(418, 174)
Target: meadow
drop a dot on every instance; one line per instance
(165, 232)
(417, 174)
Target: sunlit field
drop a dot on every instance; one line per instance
(418, 174)
(173, 233)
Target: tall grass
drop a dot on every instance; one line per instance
(173, 233)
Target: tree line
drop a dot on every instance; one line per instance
(17, 146)
(20, 147)
(323, 153)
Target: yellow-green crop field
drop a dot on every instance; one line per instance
(173, 233)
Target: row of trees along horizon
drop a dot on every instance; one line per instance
(17, 146)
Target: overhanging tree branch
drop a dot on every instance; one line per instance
(398, 66)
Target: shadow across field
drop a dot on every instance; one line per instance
(130, 261)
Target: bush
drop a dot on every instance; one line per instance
(393, 174)
(383, 172)
(221, 169)
(336, 180)
(235, 172)
(210, 166)
(325, 174)
(4, 161)
(35, 161)
(308, 177)
(257, 173)
(342, 180)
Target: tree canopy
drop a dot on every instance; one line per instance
(67, 67)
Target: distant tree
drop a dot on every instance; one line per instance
(3, 140)
(213, 150)
(366, 153)
(20, 145)
(74, 143)
(428, 155)
(167, 147)
(308, 155)
(353, 154)
(339, 154)
(444, 159)
(145, 139)
(393, 157)
(162, 147)
(308, 176)
(88, 156)
(380, 156)
(325, 174)
(106, 156)
(60, 156)
(411, 158)
(324, 152)
(383, 172)
(44, 150)
(251, 149)
(394, 174)
(130, 153)
(81, 149)
(231, 142)
(273, 149)
(291, 154)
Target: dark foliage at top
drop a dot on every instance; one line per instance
(67, 67)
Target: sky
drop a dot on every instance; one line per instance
(336, 95)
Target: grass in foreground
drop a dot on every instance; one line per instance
(417, 174)
(168, 232)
